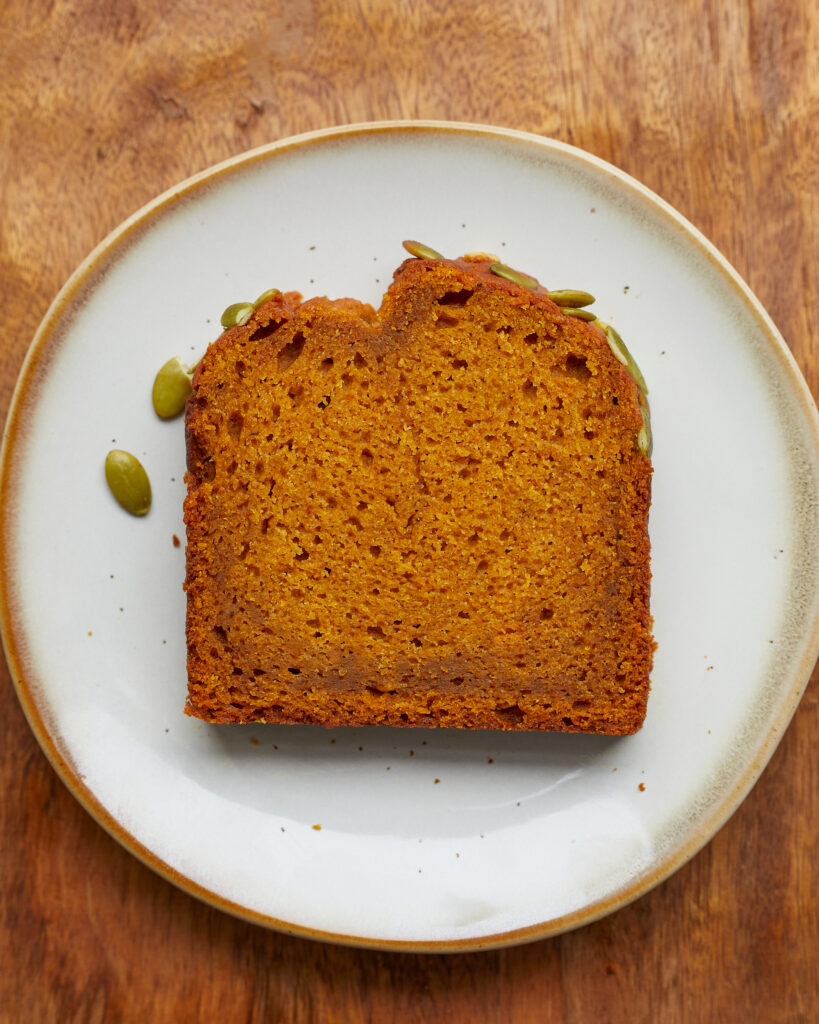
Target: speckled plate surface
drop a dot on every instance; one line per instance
(427, 839)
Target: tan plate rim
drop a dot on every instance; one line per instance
(106, 252)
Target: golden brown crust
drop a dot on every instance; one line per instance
(431, 514)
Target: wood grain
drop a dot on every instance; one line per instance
(713, 105)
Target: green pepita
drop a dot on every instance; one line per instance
(128, 481)
(619, 353)
(513, 275)
(643, 442)
(571, 297)
(618, 347)
(580, 314)
(172, 385)
(271, 293)
(645, 437)
(421, 251)
(237, 314)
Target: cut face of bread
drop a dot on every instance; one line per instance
(432, 514)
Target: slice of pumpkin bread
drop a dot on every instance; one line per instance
(430, 514)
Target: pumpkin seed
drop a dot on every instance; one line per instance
(643, 441)
(237, 314)
(271, 293)
(487, 257)
(513, 275)
(619, 353)
(581, 314)
(128, 481)
(172, 385)
(618, 347)
(421, 251)
(571, 297)
(647, 446)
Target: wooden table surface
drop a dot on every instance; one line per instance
(715, 106)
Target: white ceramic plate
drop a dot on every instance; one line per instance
(429, 839)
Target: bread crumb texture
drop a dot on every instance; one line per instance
(432, 514)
